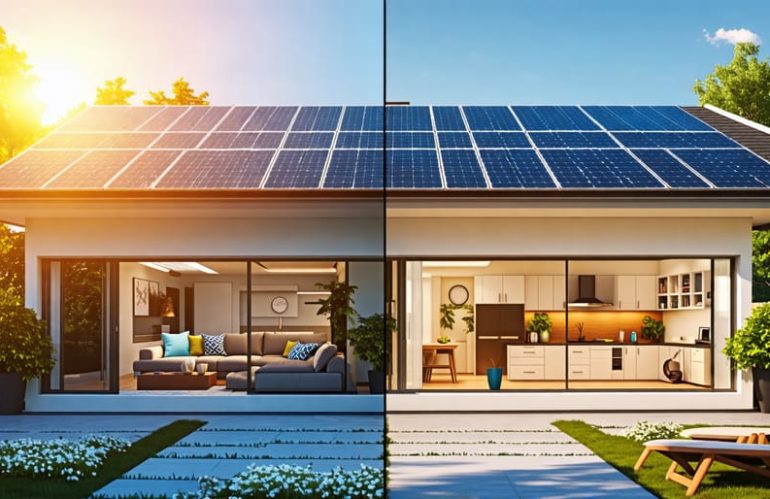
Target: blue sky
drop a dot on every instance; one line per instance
(330, 51)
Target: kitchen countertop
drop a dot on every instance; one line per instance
(615, 344)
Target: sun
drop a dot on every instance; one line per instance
(59, 89)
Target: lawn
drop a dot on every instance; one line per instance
(113, 467)
(620, 452)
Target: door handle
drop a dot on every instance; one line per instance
(637, 304)
(499, 298)
(506, 297)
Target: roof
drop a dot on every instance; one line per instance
(114, 151)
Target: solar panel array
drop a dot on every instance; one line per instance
(427, 148)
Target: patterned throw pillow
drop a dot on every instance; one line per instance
(214, 344)
(303, 351)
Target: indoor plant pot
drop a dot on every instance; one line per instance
(494, 377)
(26, 351)
(749, 348)
(371, 341)
(376, 381)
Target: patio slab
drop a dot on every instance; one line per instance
(277, 451)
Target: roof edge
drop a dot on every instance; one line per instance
(740, 119)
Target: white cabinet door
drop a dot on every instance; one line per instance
(601, 362)
(555, 363)
(559, 293)
(686, 364)
(545, 292)
(489, 289)
(513, 289)
(605, 288)
(629, 363)
(646, 292)
(647, 365)
(625, 292)
(531, 292)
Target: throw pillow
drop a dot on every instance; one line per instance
(214, 344)
(196, 345)
(175, 345)
(303, 351)
(288, 347)
(323, 356)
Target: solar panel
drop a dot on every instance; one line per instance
(674, 173)
(297, 170)
(573, 140)
(178, 140)
(163, 119)
(264, 140)
(685, 120)
(494, 140)
(680, 140)
(144, 170)
(645, 118)
(111, 118)
(71, 141)
(211, 118)
(413, 169)
(363, 118)
(598, 168)
(271, 119)
(462, 169)
(515, 168)
(728, 167)
(457, 140)
(309, 140)
(236, 119)
(448, 118)
(355, 169)
(317, 118)
(359, 140)
(217, 170)
(412, 118)
(553, 118)
(410, 140)
(34, 168)
(482, 118)
(93, 170)
(195, 119)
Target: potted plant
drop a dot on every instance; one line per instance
(652, 329)
(26, 351)
(338, 306)
(371, 340)
(446, 321)
(541, 324)
(468, 319)
(494, 375)
(749, 348)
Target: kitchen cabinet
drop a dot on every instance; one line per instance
(629, 363)
(555, 362)
(498, 289)
(579, 362)
(647, 364)
(535, 362)
(601, 363)
(531, 292)
(635, 292)
(544, 292)
(645, 292)
(699, 366)
(559, 293)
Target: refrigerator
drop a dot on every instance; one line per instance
(497, 325)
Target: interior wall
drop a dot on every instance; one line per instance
(369, 299)
(442, 285)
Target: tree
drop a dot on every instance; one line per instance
(741, 87)
(184, 95)
(760, 242)
(113, 93)
(12, 261)
(20, 110)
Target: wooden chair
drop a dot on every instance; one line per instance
(746, 456)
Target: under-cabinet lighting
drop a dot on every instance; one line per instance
(459, 263)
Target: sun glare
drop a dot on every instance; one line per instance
(60, 89)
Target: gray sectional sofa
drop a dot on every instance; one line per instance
(271, 371)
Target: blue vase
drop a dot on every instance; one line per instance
(494, 377)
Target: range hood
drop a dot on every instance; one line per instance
(587, 293)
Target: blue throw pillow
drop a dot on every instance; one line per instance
(176, 345)
(214, 344)
(303, 351)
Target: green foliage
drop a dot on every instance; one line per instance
(25, 346)
(741, 87)
(12, 261)
(113, 93)
(760, 242)
(371, 339)
(184, 95)
(338, 306)
(540, 323)
(469, 319)
(750, 347)
(652, 329)
(20, 110)
(447, 319)
(82, 315)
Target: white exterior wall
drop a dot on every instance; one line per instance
(532, 237)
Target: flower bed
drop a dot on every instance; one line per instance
(69, 459)
(289, 482)
(644, 431)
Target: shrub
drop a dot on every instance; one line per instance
(750, 346)
(371, 339)
(25, 347)
(644, 431)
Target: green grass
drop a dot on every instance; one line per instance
(112, 468)
(620, 452)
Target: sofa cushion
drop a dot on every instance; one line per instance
(165, 364)
(196, 345)
(237, 380)
(211, 360)
(267, 360)
(235, 344)
(303, 367)
(176, 344)
(323, 356)
(214, 344)
(232, 363)
(303, 351)
(274, 343)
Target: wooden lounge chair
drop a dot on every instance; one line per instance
(752, 456)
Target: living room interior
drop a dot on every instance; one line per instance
(564, 324)
(161, 301)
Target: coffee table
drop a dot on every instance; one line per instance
(176, 381)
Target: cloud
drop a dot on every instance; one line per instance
(732, 36)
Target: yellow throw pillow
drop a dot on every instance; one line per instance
(196, 345)
(289, 346)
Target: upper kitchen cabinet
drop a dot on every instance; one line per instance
(499, 289)
(635, 292)
(687, 291)
(544, 292)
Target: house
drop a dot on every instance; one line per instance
(596, 216)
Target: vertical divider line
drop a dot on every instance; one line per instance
(566, 324)
(385, 220)
(249, 386)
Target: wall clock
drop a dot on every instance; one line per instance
(458, 294)
(279, 304)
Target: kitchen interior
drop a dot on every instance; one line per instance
(593, 330)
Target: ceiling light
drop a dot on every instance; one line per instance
(155, 266)
(299, 270)
(179, 267)
(460, 263)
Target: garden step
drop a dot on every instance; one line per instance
(482, 449)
